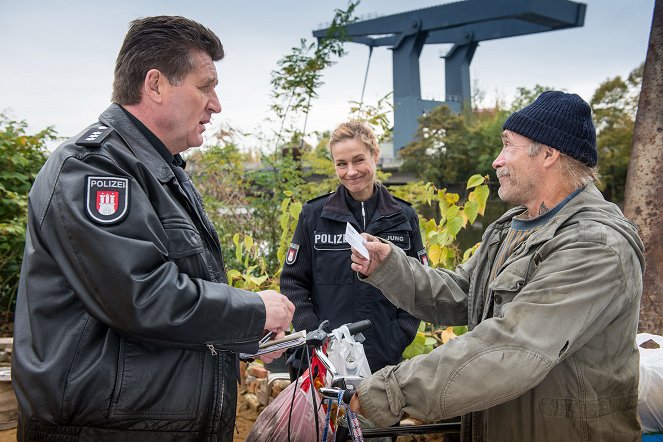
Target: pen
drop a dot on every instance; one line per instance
(265, 338)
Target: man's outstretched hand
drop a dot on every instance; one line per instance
(377, 252)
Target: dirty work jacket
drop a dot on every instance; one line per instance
(321, 284)
(556, 362)
(125, 328)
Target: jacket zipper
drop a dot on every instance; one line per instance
(363, 214)
(211, 349)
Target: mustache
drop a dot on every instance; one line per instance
(502, 171)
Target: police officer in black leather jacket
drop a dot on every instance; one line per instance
(125, 326)
(317, 276)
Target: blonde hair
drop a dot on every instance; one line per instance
(355, 129)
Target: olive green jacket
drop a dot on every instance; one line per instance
(557, 361)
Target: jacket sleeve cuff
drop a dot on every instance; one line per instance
(382, 270)
(380, 398)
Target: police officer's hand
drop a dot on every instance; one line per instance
(377, 251)
(269, 357)
(278, 311)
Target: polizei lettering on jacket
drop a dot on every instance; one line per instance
(330, 241)
(330, 238)
(105, 182)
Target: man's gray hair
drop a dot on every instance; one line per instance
(578, 174)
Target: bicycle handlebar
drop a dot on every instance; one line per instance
(332, 393)
(359, 326)
(319, 336)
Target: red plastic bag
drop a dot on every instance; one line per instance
(272, 423)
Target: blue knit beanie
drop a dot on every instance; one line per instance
(559, 120)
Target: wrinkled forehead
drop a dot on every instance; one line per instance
(513, 137)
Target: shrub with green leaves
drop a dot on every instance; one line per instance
(21, 157)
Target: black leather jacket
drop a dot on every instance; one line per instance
(125, 328)
(318, 279)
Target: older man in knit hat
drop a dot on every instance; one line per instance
(551, 299)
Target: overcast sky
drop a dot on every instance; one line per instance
(57, 57)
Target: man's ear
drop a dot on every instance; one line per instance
(153, 86)
(550, 156)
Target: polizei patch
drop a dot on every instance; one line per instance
(293, 251)
(106, 198)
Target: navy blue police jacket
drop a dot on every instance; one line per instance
(318, 279)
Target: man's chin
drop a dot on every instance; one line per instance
(196, 142)
(503, 195)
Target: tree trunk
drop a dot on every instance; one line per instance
(643, 199)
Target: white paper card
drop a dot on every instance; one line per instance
(355, 240)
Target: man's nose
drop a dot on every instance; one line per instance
(214, 104)
(499, 161)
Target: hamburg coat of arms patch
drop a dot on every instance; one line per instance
(106, 198)
(291, 256)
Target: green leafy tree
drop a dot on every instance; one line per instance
(376, 116)
(449, 146)
(439, 153)
(615, 104)
(21, 157)
(526, 96)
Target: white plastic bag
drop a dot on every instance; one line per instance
(650, 389)
(347, 354)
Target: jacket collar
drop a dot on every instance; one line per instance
(588, 199)
(388, 210)
(337, 203)
(146, 153)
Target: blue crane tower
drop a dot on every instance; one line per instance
(463, 24)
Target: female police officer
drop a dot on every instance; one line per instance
(317, 276)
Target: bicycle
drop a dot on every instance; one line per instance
(341, 388)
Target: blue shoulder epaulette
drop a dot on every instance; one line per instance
(401, 199)
(326, 195)
(94, 136)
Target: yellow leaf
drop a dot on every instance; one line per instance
(448, 334)
(454, 225)
(295, 208)
(416, 347)
(474, 181)
(471, 210)
(434, 253)
(481, 194)
(453, 211)
(248, 242)
(238, 252)
(451, 198)
(284, 221)
(257, 280)
(233, 274)
(469, 252)
(444, 239)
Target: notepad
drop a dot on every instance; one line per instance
(292, 340)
